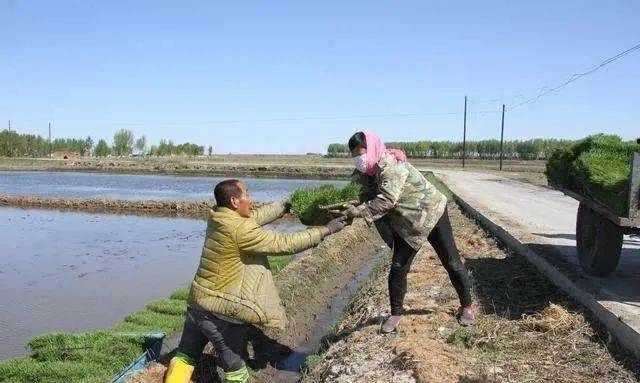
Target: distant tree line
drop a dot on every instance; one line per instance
(534, 149)
(167, 147)
(13, 144)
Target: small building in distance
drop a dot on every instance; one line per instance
(65, 154)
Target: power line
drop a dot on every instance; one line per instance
(496, 100)
(576, 76)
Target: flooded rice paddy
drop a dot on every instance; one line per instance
(62, 271)
(139, 187)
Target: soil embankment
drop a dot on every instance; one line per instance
(312, 167)
(527, 330)
(159, 208)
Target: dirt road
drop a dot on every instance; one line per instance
(544, 220)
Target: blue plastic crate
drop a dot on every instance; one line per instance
(154, 345)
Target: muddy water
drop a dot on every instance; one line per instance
(139, 187)
(77, 271)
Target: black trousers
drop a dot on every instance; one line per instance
(228, 339)
(441, 238)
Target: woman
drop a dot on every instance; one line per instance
(408, 211)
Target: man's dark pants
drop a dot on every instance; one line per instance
(228, 339)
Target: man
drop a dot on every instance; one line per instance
(233, 286)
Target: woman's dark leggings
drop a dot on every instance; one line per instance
(441, 238)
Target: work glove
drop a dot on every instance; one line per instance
(352, 212)
(338, 209)
(334, 213)
(336, 224)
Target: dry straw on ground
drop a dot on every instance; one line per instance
(526, 330)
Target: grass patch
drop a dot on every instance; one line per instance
(86, 357)
(278, 263)
(181, 294)
(155, 322)
(311, 361)
(597, 167)
(305, 201)
(131, 328)
(110, 351)
(95, 356)
(168, 306)
(461, 338)
(28, 371)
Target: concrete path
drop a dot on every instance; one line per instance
(544, 220)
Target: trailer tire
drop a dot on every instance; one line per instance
(599, 242)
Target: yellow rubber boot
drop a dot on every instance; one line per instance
(238, 376)
(178, 372)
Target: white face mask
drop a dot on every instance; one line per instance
(361, 163)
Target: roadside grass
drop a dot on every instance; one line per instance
(461, 337)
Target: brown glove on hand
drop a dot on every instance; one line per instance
(352, 212)
(336, 224)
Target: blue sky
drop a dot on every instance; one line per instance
(291, 77)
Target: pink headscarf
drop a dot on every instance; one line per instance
(375, 149)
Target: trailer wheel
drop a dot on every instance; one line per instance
(599, 242)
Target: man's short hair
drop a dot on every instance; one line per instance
(225, 190)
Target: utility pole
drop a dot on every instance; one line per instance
(464, 134)
(502, 138)
(49, 140)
